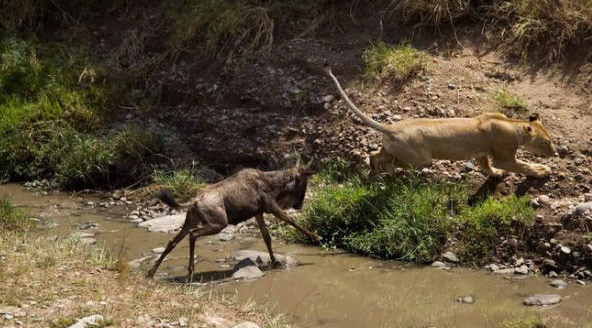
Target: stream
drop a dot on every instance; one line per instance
(327, 289)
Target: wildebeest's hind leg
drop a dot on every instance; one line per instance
(205, 230)
(266, 236)
(169, 248)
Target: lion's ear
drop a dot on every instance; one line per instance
(534, 117)
(528, 128)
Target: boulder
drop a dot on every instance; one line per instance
(263, 257)
(246, 269)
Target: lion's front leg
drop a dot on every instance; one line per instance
(485, 165)
(528, 169)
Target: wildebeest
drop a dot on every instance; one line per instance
(246, 194)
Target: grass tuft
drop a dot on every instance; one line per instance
(182, 183)
(509, 101)
(12, 218)
(528, 322)
(397, 62)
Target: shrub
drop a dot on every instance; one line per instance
(399, 62)
(410, 219)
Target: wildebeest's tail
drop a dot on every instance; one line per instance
(166, 197)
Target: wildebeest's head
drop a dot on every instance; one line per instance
(294, 190)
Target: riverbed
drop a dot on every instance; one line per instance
(326, 289)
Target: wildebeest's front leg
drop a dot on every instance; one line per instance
(279, 213)
(266, 236)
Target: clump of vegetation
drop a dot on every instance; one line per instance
(528, 322)
(182, 183)
(509, 101)
(397, 62)
(12, 218)
(49, 124)
(410, 219)
(432, 12)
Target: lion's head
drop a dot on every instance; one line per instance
(537, 138)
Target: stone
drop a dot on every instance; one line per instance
(542, 300)
(450, 257)
(246, 324)
(165, 223)
(558, 283)
(494, 267)
(565, 250)
(246, 269)
(225, 236)
(504, 271)
(90, 321)
(263, 257)
(440, 265)
(466, 299)
(523, 269)
(582, 208)
(137, 263)
(158, 250)
(88, 225)
(88, 241)
(217, 322)
(581, 282)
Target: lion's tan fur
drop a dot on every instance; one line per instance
(491, 138)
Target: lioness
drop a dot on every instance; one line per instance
(487, 137)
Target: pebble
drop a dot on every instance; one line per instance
(158, 250)
(440, 265)
(565, 250)
(466, 299)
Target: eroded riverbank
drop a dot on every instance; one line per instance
(326, 289)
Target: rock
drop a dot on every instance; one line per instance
(165, 224)
(565, 250)
(90, 321)
(246, 324)
(523, 269)
(542, 300)
(582, 208)
(263, 257)
(558, 283)
(88, 225)
(581, 282)
(450, 257)
(440, 265)
(466, 299)
(544, 200)
(504, 271)
(158, 250)
(493, 267)
(246, 269)
(135, 264)
(553, 274)
(88, 241)
(225, 236)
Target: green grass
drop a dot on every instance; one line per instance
(12, 218)
(409, 219)
(50, 126)
(528, 322)
(509, 101)
(182, 183)
(399, 62)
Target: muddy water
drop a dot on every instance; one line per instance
(326, 290)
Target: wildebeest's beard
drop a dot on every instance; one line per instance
(293, 193)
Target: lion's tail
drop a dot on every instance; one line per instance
(369, 121)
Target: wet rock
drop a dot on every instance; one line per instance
(493, 267)
(504, 271)
(542, 300)
(90, 321)
(165, 223)
(583, 208)
(246, 269)
(450, 257)
(581, 282)
(263, 257)
(558, 283)
(440, 265)
(88, 225)
(466, 299)
(246, 324)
